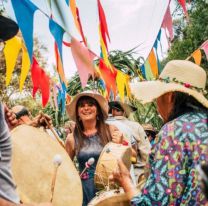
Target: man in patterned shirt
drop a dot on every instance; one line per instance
(182, 142)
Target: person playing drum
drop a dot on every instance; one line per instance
(8, 195)
(89, 110)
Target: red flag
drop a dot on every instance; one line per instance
(103, 24)
(40, 82)
(109, 76)
(183, 4)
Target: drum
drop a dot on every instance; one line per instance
(107, 162)
(33, 169)
(110, 198)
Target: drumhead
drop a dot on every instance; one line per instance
(33, 169)
(110, 198)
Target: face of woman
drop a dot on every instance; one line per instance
(165, 105)
(87, 111)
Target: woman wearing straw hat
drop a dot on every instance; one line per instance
(89, 110)
(8, 195)
(182, 141)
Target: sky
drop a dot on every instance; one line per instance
(130, 23)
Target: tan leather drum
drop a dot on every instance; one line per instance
(107, 162)
(33, 169)
(110, 198)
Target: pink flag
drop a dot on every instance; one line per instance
(83, 61)
(168, 23)
(204, 46)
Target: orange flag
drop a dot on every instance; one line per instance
(197, 56)
(153, 63)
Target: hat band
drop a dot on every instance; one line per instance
(187, 85)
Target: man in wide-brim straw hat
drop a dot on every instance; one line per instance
(182, 141)
(8, 195)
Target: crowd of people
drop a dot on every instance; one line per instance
(169, 167)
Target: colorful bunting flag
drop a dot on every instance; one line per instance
(122, 81)
(109, 76)
(204, 46)
(40, 82)
(103, 34)
(148, 71)
(183, 4)
(197, 56)
(153, 63)
(11, 51)
(57, 33)
(25, 66)
(168, 23)
(82, 60)
(24, 11)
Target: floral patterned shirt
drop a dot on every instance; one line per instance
(182, 145)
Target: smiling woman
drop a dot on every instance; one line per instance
(89, 110)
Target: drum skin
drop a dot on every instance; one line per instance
(33, 169)
(107, 162)
(110, 198)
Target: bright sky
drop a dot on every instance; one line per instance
(130, 23)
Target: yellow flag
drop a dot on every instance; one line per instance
(11, 52)
(25, 66)
(197, 56)
(122, 81)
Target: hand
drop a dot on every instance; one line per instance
(42, 120)
(117, 136)
(10, 117)
(122, 176)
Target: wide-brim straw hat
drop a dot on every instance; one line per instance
(149, 127)
(8, 28)
(127, 108)
(103, 103)
(178, 75)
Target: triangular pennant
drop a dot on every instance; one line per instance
(148, 71)
(59, 66)
(109, 76)
(40, 81)
(197, 56)
(168, 23)
(183, 4)
(25, 66)
(24, 11)
(57, 33)
(153, 63)
(11, 51)
(122, 81)
(83, 61)
(204, 46)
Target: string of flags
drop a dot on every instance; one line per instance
(62, 15)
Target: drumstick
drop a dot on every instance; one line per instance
(54, 133)
(57, 160)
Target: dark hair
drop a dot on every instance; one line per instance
(22, 112)
(184, 103)
(102, 128)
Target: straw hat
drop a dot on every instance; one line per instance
(71, 108)
(148, 127)
(125, 106)
(8, 28)
(178, 75)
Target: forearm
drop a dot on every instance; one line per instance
(4, 202)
